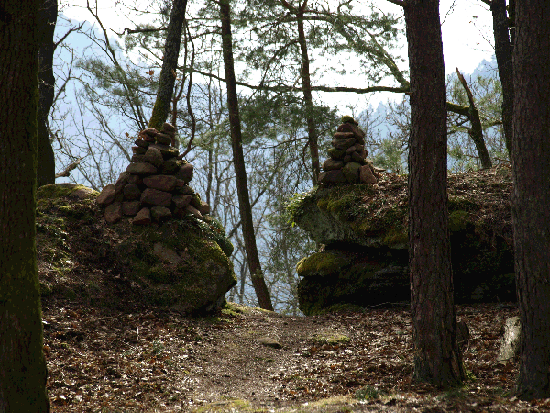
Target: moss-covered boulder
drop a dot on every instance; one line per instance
(364, 233)
(181, 264)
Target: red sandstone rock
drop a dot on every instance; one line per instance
(130, 208)
(143, 217)
(160, 213)
(366, 175)
(113, 213)
(164, 183)
(131, 192)
(141, 168)
(107, 196)
(181, 201)
(155, 197)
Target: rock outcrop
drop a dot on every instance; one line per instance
(363, 230)
(181, 264)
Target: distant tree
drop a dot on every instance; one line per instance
(247, 224)
(437, 358)
(23, 370)
(531, 195)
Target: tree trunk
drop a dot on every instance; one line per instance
(437, 359)
(475, 131)
(531, 197)
(167, 76)
(23, 370)
(503, 52)
(245, 210)
(46, 82)
(308, 99)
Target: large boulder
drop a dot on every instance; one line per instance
(366, 228)
(181, 264)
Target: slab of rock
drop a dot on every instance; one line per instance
(194, 211)
(366, 175)
(336, 154)
(511, 340)
(164, 139)
(131, 208)
(182, 188)
(153, 156)
(344, 135)
(331, 164)
(181, 201)
(185, 173)
(154, 197)
(166, 151)
(332, 177)
(160, 213)
(141, 168)
(142, 143)
(138, 150)
(166, 254)
(351, 172)
(171, 166)
(343, 144)
(168, 128)
(113, 213)
(164, 183)
(143, 217)
(107, 196)
(204, 208)
(131, 192)
(121, 182)
(135, 179)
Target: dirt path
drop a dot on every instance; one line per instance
(254, 361)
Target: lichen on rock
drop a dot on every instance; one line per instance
(181, 264)
(368, 224)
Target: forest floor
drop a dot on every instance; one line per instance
(249, 360)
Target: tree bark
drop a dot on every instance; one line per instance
(46, 82)
(245, 210)
(167, 76)
(475, 131)
(23, 370)
(530, 196)
(437, 359)
(503, 52)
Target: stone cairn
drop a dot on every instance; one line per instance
(348, 157)
(155, 186)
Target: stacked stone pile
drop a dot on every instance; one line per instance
(155, 186)
(348, 157)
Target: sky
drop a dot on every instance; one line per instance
(466, 29)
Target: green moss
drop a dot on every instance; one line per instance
(396, 237)
(322, 263)
(462, 203)
(458, 221)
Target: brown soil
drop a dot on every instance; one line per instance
(103, 360)
(107, 352)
